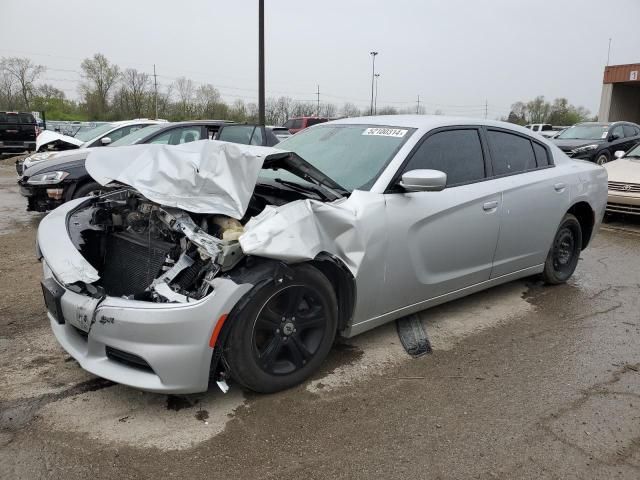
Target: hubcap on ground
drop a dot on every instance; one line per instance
(288, 330)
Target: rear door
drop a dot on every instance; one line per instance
(442, 241)
(534, 199)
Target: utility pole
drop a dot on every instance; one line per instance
(318, 107)
(418, 106)
(155, 87)
(609, 52)
(375, 99)
(486, 108)
(261, 119)
(373, 73)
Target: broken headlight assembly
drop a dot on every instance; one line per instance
(48, 178)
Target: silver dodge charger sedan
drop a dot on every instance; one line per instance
(209, 260)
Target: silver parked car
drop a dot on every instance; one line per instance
(218, 260)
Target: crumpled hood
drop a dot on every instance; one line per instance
(59, 161)
(206, 176)
(47, 136)
(624, 170)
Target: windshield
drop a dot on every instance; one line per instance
(351, 155)
(585, 132)
(634, 152)
(92, 133)
(136, 136)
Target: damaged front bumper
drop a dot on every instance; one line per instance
(157, 347)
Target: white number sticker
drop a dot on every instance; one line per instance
(604, 135)
(385, 132)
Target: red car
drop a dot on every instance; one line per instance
(300, 123)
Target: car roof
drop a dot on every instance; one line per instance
(422, 122)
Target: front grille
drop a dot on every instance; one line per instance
(128, 359)
(132, 262)
(623, 208)
(624, 187)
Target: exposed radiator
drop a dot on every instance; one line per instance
(132, 262)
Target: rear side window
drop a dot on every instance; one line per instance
(510, 153)
(629, 131)
(458, 153)
(542, 157)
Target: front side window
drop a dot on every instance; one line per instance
(510, 153)
(136, 135)
(458, 153)
(237, 134)
(618, 132)
(95, 132)
(296, 123)
(177, 136)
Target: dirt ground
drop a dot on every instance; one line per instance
(525, 381)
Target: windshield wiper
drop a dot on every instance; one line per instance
(306, 188)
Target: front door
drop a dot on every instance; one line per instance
(442, 241)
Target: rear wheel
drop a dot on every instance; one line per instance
(565, 251)
(281, 332)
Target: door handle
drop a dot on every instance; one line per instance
(559, 187)
(490, 206)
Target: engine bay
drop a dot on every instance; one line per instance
(149, 252)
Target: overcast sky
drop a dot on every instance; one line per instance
(453, 53)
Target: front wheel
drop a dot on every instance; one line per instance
(282, 331)
(602, 158)
(564, 253)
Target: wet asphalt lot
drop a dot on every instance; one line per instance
(525, 381)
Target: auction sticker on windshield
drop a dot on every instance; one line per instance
(385, 132)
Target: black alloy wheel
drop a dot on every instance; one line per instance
(565, 251)
(282, 329)
(288, 330)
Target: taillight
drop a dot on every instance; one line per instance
(38, 130)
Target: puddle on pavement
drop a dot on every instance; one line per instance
(13, 206)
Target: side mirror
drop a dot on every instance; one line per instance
(619, 154)
(613, 136)
(105, 140)
(424, 181)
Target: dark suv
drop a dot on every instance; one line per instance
(597, 142)
(18, 132)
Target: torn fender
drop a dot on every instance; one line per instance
(300, 230)
(47, 137)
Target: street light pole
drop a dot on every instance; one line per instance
(261, 119)
(373, 73)
(375, 98)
